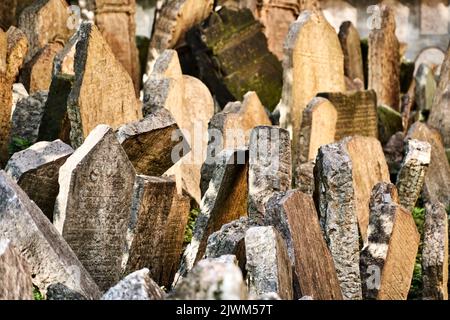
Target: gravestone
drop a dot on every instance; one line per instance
(268, 266)
(102, 91)
(425, 87)
(351, 48)
(10, 11)
(384, 60)
(393, 151)
(388, 258)
(304, 177)
(49, 256)
(92, 210)
(36, 170)
(15, 274)
(390, 122)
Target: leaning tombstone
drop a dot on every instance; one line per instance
(351, 48)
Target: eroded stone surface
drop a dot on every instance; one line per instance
(351, 48)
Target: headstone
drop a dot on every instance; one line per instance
(15, 274)
(92, 210)
(49, 256)
(304, 177)
(412, 172)
(10, 11)
(313, 62)
(388, 258)
(213, 279)
(437, 178)
(149, 143)
(425, 87)
(294, 215)
(268, 266)
(435, 252)
(336, 202)
(384, 60)
(135, 286)
(58, 291)
(36, 169)
(19, 92)
(351, 48)
(27, 117)
(393, 151)
(390, 122)
(102, 91)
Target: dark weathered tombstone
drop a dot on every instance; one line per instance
(393, 151)
(58, 291)
(425, 87)
(389, 122)
(351, 48)
(36, 170)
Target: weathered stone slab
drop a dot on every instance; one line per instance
(318, 128)
(435, 252)
(135, 286)
(336, 202)
(49, 256)
(304, 177)
(437, 178)
(351, 48)
(270, 168)
(102, 91)
(389, 122)
(412, 172)
(15, 274)
(293, 214)
(425, 87)
(58, 291)
(213, 279)
(388, 258)
(393, 151)
(19, 92)
(268, 266)
(311, 48)
(356, 113)
(148, 142)
(92, 210)
(36, 169)
(384, 60)
(10, 11)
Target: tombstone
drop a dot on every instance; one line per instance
(135, 286)
(102, 91)
(435, 252)
(434, 57)
(336, 202)
(437, 178)
(412, 172)
(13, 47)
(156, 231)
(43, 22)
(270, 168)
(234, 124)
(10, 11)
(58, 291)
(92, 210)
(268, 266)
(224, 201)
(390, 122)
(351, 48)
(318, 128)
(304, 177)
(356, 113)
(393, 151)
(440, 110)
(232, 57)
(174, 20)
(212, 279)
(425, 87)
(294, 215)
(27, 117)
(15, 275)
(313, 62)
(388, 258)
(384, 60)
(37, 73)
(148, 142)
(19, 92)
(49, 256)
(36, 169)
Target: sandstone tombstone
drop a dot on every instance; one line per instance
(49, 256)
(425, 87)
(390, 122)
(92, 210)
(15, 274)
(268, 266)
(351, 48)
(388, 258)
(36, 169)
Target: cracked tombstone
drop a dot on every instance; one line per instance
(102, 91)
(336, 202)
(384, 60)
(351, 48)
(388, 257)
(435, 252)
(425, 87)
(294, 215)
(51, 259)
(36, 171)
(268, 266)
(312, 48)
(412, 172)
(92, 210)
(15, 274)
